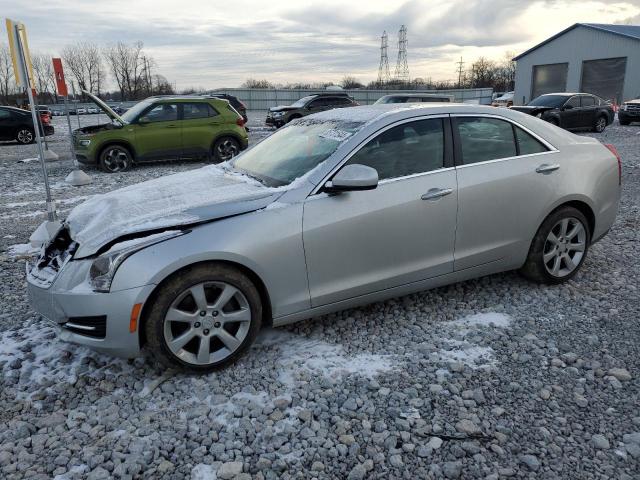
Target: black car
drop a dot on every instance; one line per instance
(629, 112)
(318, 102)
(571, 110)
(17, 124)
(235, 102)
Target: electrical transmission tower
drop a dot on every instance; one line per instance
(460, 72)
(402, 67)
(383, 70)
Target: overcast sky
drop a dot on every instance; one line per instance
(213, 43)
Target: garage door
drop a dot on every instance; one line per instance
(549, 79)
(604, 78)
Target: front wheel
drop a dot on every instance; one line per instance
(204, 318)
(24, 136)
(115, 158)
(225, 149)
(601, 124)
(559, 248)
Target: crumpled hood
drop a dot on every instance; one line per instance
(531, 109)
(185, 198)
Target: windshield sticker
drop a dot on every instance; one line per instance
(335, 134)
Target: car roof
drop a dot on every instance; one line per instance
(13, 109)
(418, 95)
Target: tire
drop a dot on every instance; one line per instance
(177, 316)
(224, 149)
(25, 135)
(559, 223)
(114, 159)
(601, 124)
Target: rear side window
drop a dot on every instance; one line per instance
(527, 144)
(573, 101)
(483, 139)
(191, 111)
(406, 149)
(588, 101)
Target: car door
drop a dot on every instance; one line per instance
(570, 113)
(507, 179)
(6, 125)
(158, 133)
(588, 111)
(401, 232)
(199, 124)
(318, 105)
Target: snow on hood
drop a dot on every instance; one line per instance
(163, 202)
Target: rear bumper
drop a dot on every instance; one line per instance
(68, 309)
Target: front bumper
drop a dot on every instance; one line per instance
(274, 121)
(49, 130)
(62, 308)
(630, 115)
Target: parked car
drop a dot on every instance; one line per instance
(505, 100)
(81, 111)
(162, 128)
(93, 110)
(235, 102)
(318, 102)
(629, 112)
(350, 207)
(414, 98)
(57, 113)
(17, 124)
(571, 111)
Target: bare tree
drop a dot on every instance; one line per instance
(6, 74)
(129, 67)
(44, 76)
(350, 82)
(255, 83)
(84, 62)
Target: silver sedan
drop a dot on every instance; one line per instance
(335, 210)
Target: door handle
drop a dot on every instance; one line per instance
(546, 168)
(435, 193)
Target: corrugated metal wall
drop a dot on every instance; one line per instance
(263, 99)
(574, 47)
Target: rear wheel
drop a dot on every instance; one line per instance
(601, 124)
(203, 318)
(115, 158)
(559, 247)
(225, 149)
(25, 135)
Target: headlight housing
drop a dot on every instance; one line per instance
(105, 266)
(277, 114)
(624, 107)
(84, 143)
(539, 115)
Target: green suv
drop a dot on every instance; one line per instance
(162, 128)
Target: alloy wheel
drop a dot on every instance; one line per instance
(564, 247)
(25, 136)
(207, 322)
(116, 159)
(227, 149)
(601, 124)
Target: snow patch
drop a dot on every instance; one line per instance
(202, 471)
(490, 319)
(22, 249)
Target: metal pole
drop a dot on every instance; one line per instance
(51, 208)
(73, 147)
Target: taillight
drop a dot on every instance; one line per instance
(240, 122)
(614, 150)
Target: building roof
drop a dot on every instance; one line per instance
(628, 31)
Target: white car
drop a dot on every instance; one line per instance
(505, 100)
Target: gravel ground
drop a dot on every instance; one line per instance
(492, 378)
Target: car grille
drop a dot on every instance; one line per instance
(94, 327)
(51, 259)
(633, 108)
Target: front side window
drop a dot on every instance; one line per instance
(320, 102)
(163, 112)
(406, 149)
(588, 101)
(483, 139)
(197, 110)
(573, 102)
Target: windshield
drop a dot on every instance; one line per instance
(131, 114)
(294, 151)
(302, 101)
(555, 101)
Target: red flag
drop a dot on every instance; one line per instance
(59, 74)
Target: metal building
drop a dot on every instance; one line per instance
(586, 57)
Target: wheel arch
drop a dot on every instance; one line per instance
(108, 143)
(267, 319)
(580, 204)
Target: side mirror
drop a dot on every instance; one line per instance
(143, 120)
(351, 178)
